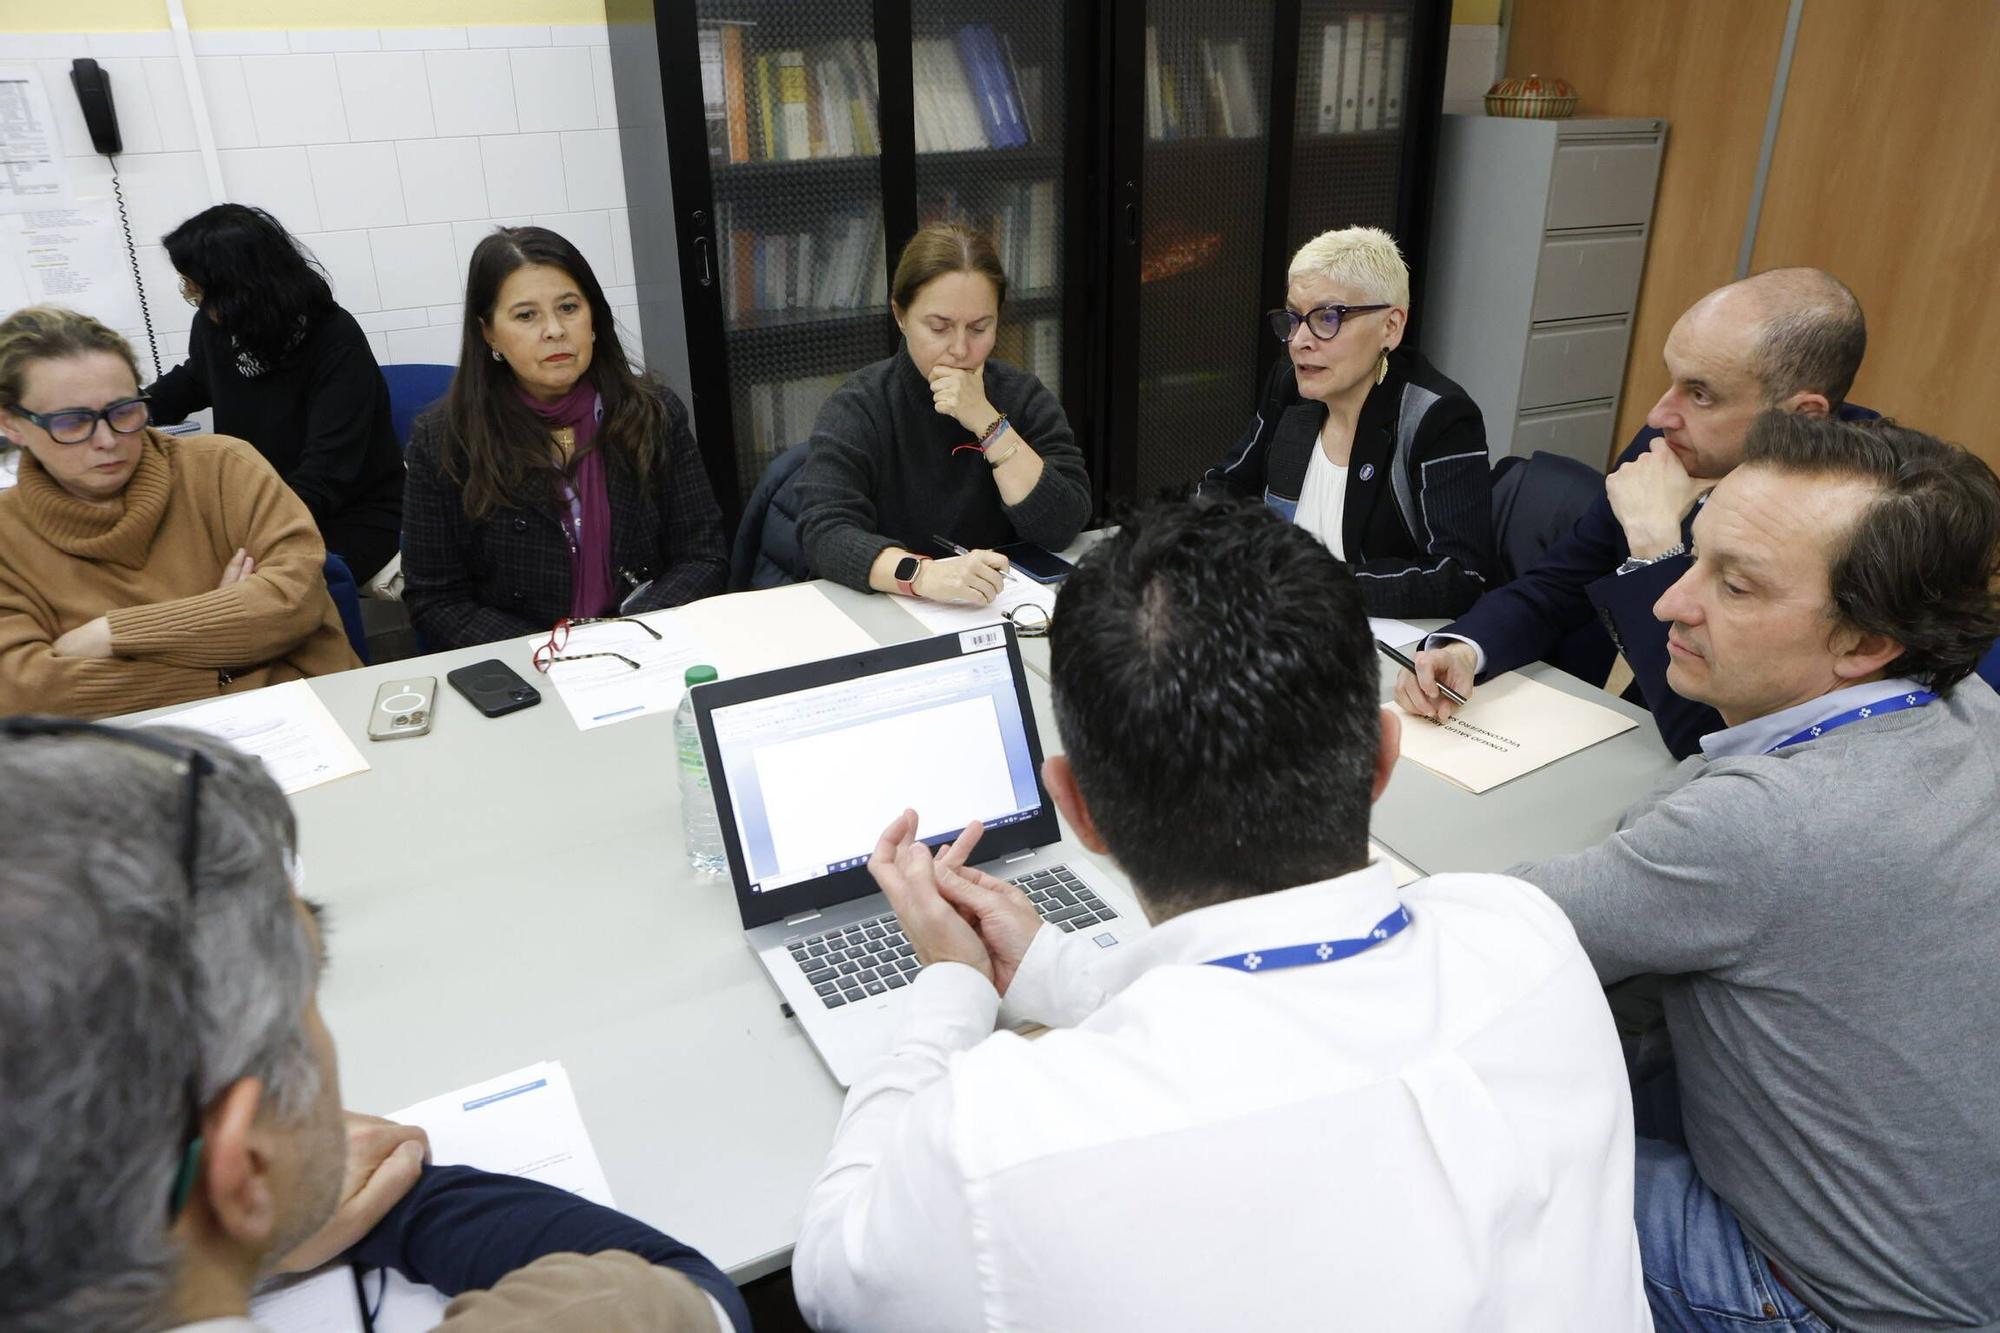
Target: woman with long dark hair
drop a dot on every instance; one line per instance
(290, 372)
(554, 482)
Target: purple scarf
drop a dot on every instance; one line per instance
(586, 512)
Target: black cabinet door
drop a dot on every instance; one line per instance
(779, 203)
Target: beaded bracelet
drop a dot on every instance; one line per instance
(993, 431)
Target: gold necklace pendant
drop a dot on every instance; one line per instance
(565, 438)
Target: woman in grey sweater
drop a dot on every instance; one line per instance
(939, 441)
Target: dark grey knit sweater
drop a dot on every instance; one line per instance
(881, 472)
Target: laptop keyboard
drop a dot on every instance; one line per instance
(872, 957)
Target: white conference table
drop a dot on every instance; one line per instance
(512, 889)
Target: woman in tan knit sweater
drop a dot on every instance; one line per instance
(138, 569)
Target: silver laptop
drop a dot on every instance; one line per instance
(810, 763)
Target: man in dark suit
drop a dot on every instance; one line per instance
(1790, 339)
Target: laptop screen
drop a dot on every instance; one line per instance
(814, 774)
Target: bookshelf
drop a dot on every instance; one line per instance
(1145, 168)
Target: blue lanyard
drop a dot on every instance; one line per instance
(1895, 703)
(1311, 955)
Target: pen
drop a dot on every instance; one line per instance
(1411, 667)
(956, 549)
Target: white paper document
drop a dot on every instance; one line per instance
(1395, 633)
(1512, 726)
(1016, 591)
(72, 257)
(521, 1124)
(1405, 872)
(599, 691)
(31, 161)
(749, 632)
(286, 726)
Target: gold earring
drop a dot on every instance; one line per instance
(1382, 367)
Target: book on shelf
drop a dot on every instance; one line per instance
(1364, 65)
(1374, 60)
(1190, 101)
(1396, 73)
(1330, 38)
(1035, 346)
(1231, 92)
(782, 413)
(789, 105)
(736, 98)
(970, 93)
(1020, 219)
(837, 266)
(714, 101)
(1350, 72)
(791, 80)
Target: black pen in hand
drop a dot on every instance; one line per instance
(1411, 667)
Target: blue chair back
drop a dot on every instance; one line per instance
(346, 596)
(412, 388)
(1989, 666)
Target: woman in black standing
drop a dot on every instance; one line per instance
(291, 373)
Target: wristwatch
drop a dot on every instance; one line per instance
(1640, 562)
(906, 574)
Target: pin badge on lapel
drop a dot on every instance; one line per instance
(1367, 472)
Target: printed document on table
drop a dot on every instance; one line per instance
(749, 632)
(1016, 591)
(286, 726)
(1395, 633)
(521, 1124)
(599, 691)
(1512, 726)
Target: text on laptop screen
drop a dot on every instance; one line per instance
(815, 776)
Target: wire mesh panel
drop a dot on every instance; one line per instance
(1207, 88)
(790, 93)
(988, 80)
(1355, 66)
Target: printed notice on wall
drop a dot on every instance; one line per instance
(1512, 726)
(32, 175)
(72, 257)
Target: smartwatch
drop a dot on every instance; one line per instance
(906, 574)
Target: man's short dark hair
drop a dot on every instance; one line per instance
(1814, 341)
(1217, 694)
(1920, 563)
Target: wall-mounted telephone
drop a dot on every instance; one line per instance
(100, 114)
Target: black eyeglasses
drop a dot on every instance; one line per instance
(191, 766)
(1324, 320)
(551, 650)
(74, 425)
(1029, 620)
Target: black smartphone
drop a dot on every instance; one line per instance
(1037, 562)
(493, 687)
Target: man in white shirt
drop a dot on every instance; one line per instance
(1302, 1100)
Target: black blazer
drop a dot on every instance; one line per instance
(1418, 520)
(508, 574)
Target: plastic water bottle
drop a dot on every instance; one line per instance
(698, 821)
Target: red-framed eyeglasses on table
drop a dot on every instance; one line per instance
(551, 651)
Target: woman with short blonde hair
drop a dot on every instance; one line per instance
(139, 569)
(1362, 442)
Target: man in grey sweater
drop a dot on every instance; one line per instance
(1819, 892)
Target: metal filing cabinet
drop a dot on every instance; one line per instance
(1538, 239)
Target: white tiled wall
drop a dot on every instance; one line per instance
(388, 152)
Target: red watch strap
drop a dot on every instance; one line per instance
(908, 586)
